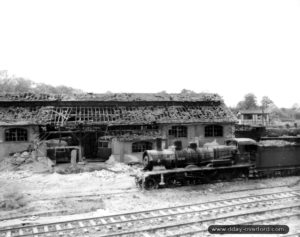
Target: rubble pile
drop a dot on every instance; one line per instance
(276, 143)
(28, 96)
(120, 168)
(150, 97)
(26, 114)
(162, 114)
(103, 174)
(25, 162)
(12, 114)
(12, 199)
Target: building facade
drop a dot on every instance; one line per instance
(121, 125)
(254, 117)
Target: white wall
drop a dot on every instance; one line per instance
(17, 146)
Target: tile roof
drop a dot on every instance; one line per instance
(112, 97)
(119, 115)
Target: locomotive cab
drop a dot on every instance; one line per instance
(246, 147)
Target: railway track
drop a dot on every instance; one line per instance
(186, 220)
(104, 195)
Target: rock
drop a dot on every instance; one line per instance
(25, 154)
(20, 160)
(28, 161)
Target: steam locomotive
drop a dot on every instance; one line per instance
(236, 151)
(237, 158)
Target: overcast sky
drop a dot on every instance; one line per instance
(225, 47)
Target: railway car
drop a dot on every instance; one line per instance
(277, 161)
(238, 158)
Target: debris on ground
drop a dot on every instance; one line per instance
(12, 199)
(24, 161)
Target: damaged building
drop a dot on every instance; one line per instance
(101, 125)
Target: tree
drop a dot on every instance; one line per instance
(186, 91)
(12, 84)
(266, 102)
(249, 102)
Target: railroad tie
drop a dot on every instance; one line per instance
(133, 217)
(58, 227)
(81, 224)
(70, 226)
(172, 211)
(103, 221)
(46, 229)
(112, 220)
(163, 212)
(93, 223)
(195, 208)
(123, 218)
(144, 215)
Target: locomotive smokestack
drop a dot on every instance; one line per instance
(159, 144)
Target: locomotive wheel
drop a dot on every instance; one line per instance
(170, 182)
(150, 184)
(146, 163)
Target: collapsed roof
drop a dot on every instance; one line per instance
(192, 108)
(112, 97)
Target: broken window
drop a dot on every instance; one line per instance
(213, 131)
(16, 134)
(178, 131)
(141, 146)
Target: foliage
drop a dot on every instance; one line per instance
(12, 84)
(248, 103)
(266, 102)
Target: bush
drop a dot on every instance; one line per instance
(12, 199)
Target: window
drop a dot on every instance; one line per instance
(248, 116)
(178, 131)
(141, 146)
(213, 131)
(15, 134)
(103, 144)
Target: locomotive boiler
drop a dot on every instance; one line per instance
(238, 158)
(234, 152)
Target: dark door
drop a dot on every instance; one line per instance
(104, 149)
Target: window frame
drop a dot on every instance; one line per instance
(178, 131)
(213, 131)
(16, 135)
(141, 146)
